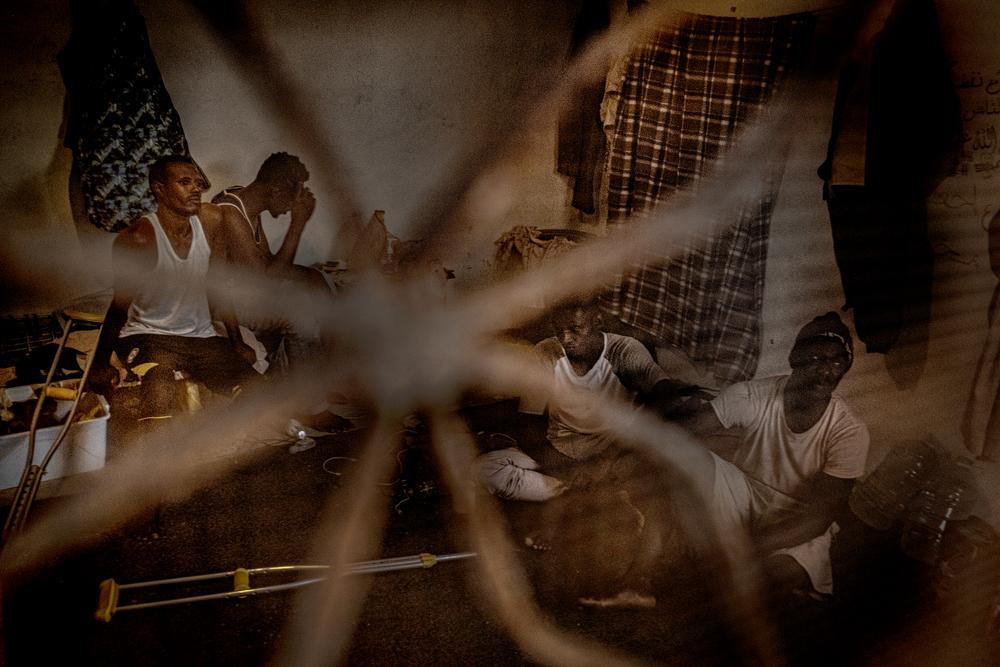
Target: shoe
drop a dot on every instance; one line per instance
(301, 445)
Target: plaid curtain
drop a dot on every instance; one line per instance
(685, 95)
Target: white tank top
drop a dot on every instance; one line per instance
(172, 299)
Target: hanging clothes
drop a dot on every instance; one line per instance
(120, 116)
(684, 96)
(896, 128)
(580, 142)
(981, 422)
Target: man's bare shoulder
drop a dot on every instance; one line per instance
(139, 234)
(211, 216)
(217, 226)
(229, 218)
(134, 251)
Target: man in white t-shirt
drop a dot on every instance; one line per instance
(800, 450)
(577, 450)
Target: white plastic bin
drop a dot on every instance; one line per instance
(83, 448)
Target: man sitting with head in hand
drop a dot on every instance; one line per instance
(279, 188)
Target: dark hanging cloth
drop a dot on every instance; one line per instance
(580, 145)
(685, 95)
(120, 115)
(981, 424)
(896, 128)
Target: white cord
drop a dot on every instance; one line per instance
(336, 458)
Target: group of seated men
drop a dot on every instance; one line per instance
(799, 449)
(170, 269)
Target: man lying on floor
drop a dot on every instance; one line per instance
(800, 450)
(572, 450)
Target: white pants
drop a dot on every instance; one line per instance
(512, 474)
(736, 503)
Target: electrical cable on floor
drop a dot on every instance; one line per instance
(337, 458)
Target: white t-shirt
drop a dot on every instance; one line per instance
(771, 453)
(624, 369)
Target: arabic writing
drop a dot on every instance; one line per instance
(980, 99)
(974, 79)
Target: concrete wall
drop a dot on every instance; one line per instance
(401, 88)
(911, 391)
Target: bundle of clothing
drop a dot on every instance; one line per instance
(521, 248)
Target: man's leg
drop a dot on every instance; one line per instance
(713, 489)
(785, 574)
(644, 490)
(158, 400)
(512, 474)
(214, 362)
(153, 360)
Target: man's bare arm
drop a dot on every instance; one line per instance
(302, 210)
(827, 503)
(132, 254)
(223, 270)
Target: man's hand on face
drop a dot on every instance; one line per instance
(303, 205)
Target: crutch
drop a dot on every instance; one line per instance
(108, 600)
(31, 477)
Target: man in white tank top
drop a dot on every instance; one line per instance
(572, 451)
(160, 312)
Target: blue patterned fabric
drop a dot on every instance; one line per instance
(121, 118)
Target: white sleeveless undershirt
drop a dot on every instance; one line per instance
(172, 299)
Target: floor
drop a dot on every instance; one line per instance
(265, 513)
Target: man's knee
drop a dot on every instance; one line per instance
(784, 574)
(159, 390)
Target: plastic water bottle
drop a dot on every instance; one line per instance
(949, 498)
(882, 497)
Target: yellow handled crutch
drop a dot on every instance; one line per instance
(31, 477)
(109, 599)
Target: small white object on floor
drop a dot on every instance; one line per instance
(297, 429)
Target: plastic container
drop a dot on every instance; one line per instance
(82, 450)
(882, 497)
(949, 498)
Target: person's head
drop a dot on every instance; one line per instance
(177, 183)
(282, 177)
(577, 325)
(822, 354)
